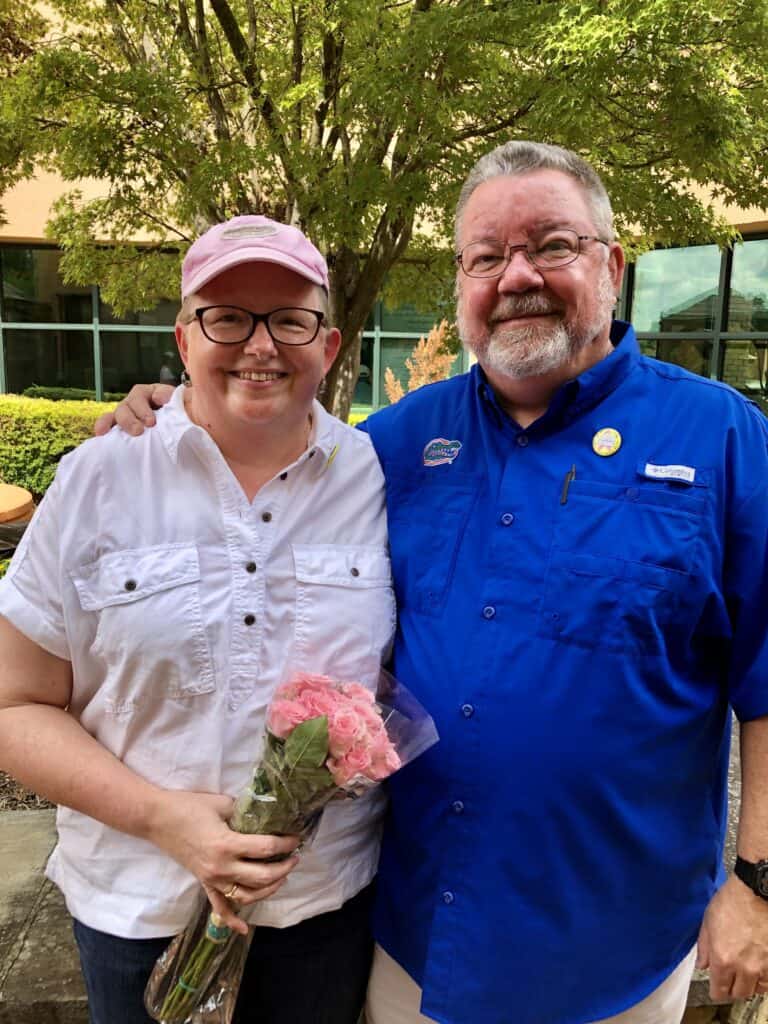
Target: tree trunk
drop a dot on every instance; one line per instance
(340, 388)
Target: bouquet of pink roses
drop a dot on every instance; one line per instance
(325, 739)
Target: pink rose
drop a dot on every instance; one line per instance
(356, 761)
(318, 703)
(284, 716)
(344, 728)
(357, 692)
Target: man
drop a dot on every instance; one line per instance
(579, 540)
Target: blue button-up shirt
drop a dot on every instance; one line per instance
(580, 602)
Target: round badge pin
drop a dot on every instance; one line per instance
(606, 442)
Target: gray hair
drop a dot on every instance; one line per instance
(521, 157)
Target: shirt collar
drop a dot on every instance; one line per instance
(583, 392)
(173, 424)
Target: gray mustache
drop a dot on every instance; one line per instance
(525, 305)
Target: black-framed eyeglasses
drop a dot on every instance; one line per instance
(547, 250)
(233, 325)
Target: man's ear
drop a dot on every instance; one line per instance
(616, 265)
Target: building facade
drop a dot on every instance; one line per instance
(697, 306)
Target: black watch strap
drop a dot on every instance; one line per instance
(753, 875)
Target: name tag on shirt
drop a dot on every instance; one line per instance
(682, 474)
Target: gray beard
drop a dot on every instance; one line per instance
(534, 351)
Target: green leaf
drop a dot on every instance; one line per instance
(307, 746)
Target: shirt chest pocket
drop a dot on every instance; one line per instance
(428, 516)
(345, 606)
(621, 563)
(149, 628)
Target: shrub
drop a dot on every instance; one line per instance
(430, 361)
(36, 432)
(70, 394)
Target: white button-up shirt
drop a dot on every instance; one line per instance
(181, 606)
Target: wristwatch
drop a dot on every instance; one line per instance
(753, 875)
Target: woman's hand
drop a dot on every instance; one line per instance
(135, 411)
(192, 828)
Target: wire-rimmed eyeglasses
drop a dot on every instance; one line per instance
(548, 250)
(233, 325)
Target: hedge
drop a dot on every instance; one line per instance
(74, 394)
(36, 432)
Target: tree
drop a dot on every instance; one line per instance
(357, 119)
(430, 361)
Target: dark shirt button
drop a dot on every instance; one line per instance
(355, 571)
(266, 517)
(448, 898)
(522, 440)
(283, 476)
(312, 454)
(507, 519)
(458, 806)
(250, 567)
(489, 611)
(467, 710)
(249, 620)
(130, 584)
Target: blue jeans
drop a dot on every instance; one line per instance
(315, 971)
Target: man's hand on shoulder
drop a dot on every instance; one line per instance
(135, 413)
(733, 943)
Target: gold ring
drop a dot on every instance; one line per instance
(230, 893)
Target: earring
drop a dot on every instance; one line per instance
(186, 380)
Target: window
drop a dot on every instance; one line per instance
(676, 290)
(33, 291)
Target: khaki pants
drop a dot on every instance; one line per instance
(394, 998)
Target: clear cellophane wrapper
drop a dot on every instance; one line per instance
(304, 764)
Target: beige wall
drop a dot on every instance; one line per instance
(27, 208)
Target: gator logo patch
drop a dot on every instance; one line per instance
(439, 451)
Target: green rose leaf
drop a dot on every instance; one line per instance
(307, 746)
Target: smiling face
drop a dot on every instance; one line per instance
(256, 384)
(531, 322)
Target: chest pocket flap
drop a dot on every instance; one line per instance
(122, 577)
(342, 565)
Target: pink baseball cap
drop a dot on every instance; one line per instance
(250, 239)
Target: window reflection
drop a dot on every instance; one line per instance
(133, 357)
(163, 313)
(744, 366)
(691, 355)
(676, 289)
(48, 358)
(748, 301)
(33, 291)
(364, 388)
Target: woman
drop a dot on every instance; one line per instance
(165, 587)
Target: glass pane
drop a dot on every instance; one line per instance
(748, 304)
(405, 319)
(394, 352)
(744, 365)
(676, 289)
(33, 291)
(48, 358)
(364, 388)
(648, 347)
(131, 357)
(692, 355)
(164, 313)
